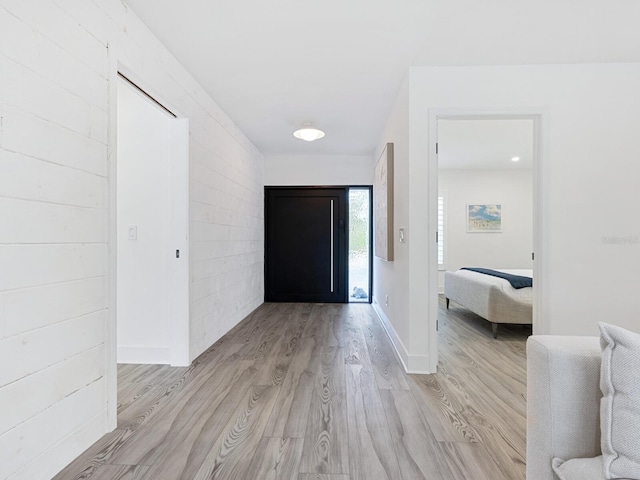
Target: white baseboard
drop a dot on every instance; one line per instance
(414, 364)
(144, 355)
(52, 461)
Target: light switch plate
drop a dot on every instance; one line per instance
(132, 232)
(402, 239)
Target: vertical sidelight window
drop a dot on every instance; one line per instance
(360, 244)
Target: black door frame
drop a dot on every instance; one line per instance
(346, 230)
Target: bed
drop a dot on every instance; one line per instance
(492, 298)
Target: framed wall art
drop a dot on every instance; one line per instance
(484, 218)
(383, 205)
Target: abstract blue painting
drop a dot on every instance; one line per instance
(484, 218)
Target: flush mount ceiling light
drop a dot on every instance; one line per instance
(515, 159)
(308, 133)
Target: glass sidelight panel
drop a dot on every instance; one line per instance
(359, 244)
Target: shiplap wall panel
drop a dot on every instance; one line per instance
(33, 265)
(52, 384)
(49, 223)
(33, 437)
(32, 308)
(55, 144)
(90, 16)
(64, 32)
(44, 57)
(22, 87)
(54, 104)
(28, 178)
(55, 458)
(47, 346)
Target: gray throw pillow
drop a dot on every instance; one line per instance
(620, 405)
(579, 468)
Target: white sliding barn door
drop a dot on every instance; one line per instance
(152, 232)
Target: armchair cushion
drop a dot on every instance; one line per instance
(620, 404)
(563, 401)
(579, 468)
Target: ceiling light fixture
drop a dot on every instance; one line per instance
(515, 159)
(308, 133)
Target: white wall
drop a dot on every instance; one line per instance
(57, 99)
(392, 278)
(589, 177)
(144, 189)
(512, 247)
(589, 245)
(317, 170)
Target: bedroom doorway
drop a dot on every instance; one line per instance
(486, 166)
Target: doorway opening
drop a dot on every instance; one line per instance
(486, 162)
(360, 234)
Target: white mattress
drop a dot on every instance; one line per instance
(492, 298)
(520, 294)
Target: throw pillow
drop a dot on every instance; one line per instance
(578, 468)
(620, 405)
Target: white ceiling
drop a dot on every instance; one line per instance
(273, 65)
(485, 144)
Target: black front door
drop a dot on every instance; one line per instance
(305, 244)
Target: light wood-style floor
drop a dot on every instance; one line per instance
(315, 392)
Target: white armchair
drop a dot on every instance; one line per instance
(563, 401)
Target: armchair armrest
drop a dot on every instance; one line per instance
(563, 401)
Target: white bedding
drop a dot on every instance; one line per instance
(491, 297)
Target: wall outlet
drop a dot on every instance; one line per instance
(386, 300)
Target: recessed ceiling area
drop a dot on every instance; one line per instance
(485, 144)
(274, 65)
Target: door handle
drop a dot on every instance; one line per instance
(331, 246)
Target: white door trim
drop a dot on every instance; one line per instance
(180, 353)
(111, 373)
(179, 236)
(540, 210)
